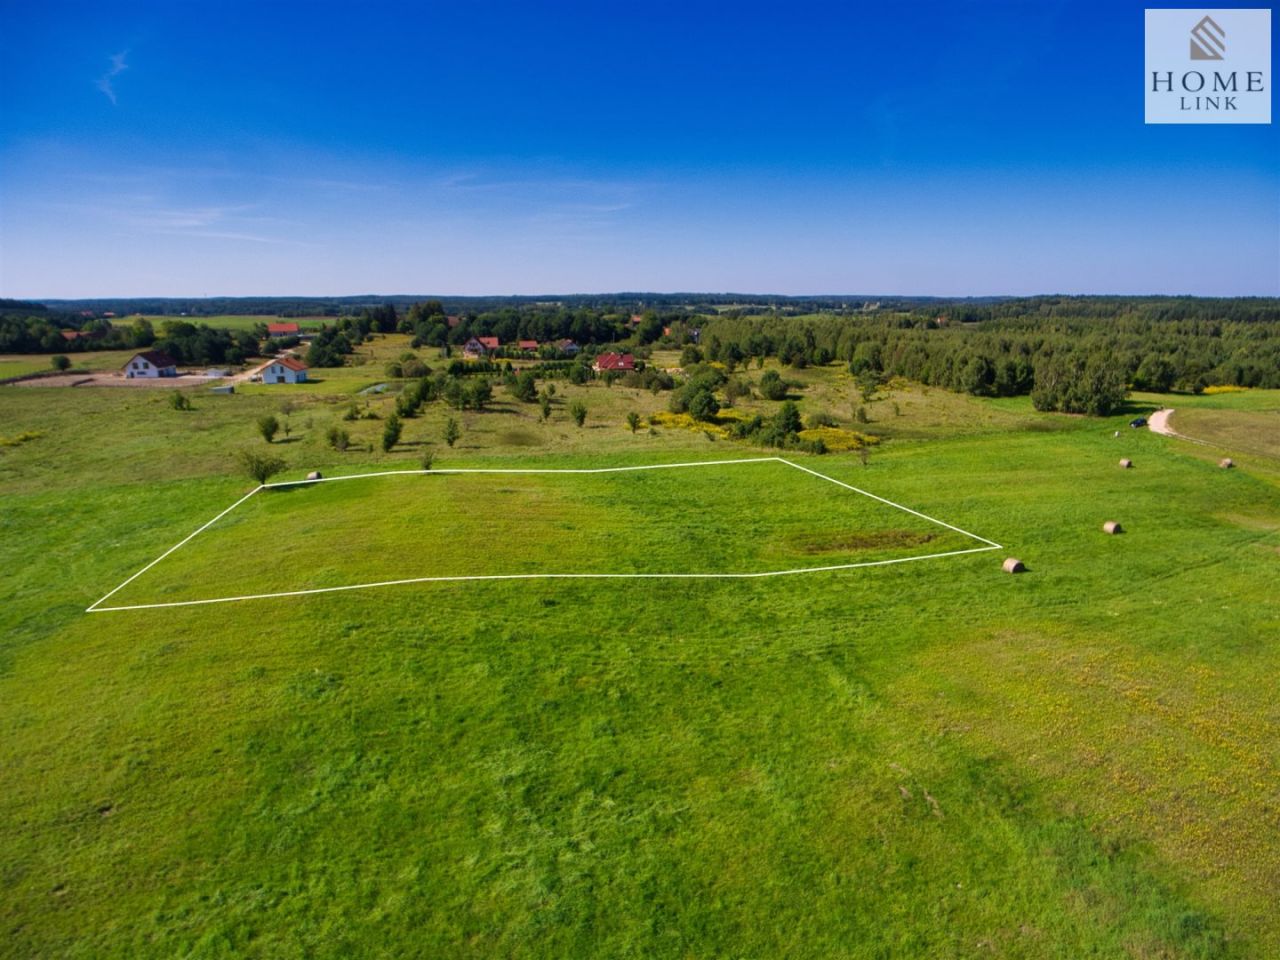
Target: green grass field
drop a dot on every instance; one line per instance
(234, 321)
(19, 365)
(929, 759)
(735, 518)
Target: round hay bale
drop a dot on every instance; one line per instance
(1112, 527)
(1126, 464)
(1226, 463)
(315, 475)
(1013, 565)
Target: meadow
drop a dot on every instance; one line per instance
(21, 365)
(232, 322)
(925, 759)
(721, 518)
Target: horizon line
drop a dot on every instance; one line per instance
(640, 294)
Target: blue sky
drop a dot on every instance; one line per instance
(188, 149)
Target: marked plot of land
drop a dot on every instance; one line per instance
(743, 518)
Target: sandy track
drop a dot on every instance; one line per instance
(1159, 423)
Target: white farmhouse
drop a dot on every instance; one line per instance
(285, 370)
(151, 363)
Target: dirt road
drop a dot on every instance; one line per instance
(1159, 423)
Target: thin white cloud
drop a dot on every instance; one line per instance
(118, 66)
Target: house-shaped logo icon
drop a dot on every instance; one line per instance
(1208, 40)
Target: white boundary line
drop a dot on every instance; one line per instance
(96, 606)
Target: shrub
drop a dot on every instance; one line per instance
(338, 438)
(772, 386)
(734, 389)
(60, 362)
(633, 421)
(452, 431)
(268, 426)
(179, 400)
(391, 433)
(683, 421)
(260, 466)
(820, 418)
(524, 387)
(544, 405)
(478, 394)
(578, 410)
(836, 439)
(428, 458)
(788, 418)
(703, 406)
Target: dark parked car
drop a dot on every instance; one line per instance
(1140, 422)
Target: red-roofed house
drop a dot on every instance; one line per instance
(285, 370)
(151, 363)
(453, 320)
(529, 346)
(490, 343)
(474, 349)
(282, 330)
(614, 362)
(636, 319)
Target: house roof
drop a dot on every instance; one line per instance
(528, 344)
(453, 320)
(492, 343)
(615, 361)
(274, 328)
(291, 362)
(157, 358)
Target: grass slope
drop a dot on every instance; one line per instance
(931, 759)
(720, 518)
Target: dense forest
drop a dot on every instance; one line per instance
(1078, 354)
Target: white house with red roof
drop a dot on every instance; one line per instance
(282, 330)
(614, 363)
(285, 370)
(151, 363)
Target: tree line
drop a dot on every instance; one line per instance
(1075, 361)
